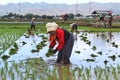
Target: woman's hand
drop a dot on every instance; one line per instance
(54, 51)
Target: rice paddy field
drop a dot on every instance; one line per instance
(95, 55)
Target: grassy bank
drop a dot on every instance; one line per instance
(41, 27)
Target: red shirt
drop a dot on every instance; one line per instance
(59, 38)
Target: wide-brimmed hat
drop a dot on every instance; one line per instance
(51, 26)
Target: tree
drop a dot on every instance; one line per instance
(78, 15)
(65, 17)
(29, 16)
(71, 16)
(50, 17)
(44, 16)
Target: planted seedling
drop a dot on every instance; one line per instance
(33, 50)
(90, 60)
(113, 57)
(114, 45)
(105, 62)
(107, 40)
(84, 39)
(93, 55)
(49, 53)
(12, 51)
(26, 36)
(23, 43)
(15, 45)
(5, 57)
(77, 52)
(39, 46)
(99, 53)
(94, 48)
(88, 42)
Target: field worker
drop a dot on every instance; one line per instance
(29, 32)
(32, 23)
(73, 27)
(65, 42)
(110, 19)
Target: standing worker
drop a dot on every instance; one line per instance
(73, 27)
(32, 23)
(65, 42)
(110, 19)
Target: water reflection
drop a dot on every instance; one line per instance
(107, 45)
(64, 72)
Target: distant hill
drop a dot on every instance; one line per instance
(58, 9)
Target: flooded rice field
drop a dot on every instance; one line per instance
(90, 49)
(95, 55)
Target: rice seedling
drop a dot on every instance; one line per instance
(93, 55)
(107, 40)
(77, 52)
(26, 36)
(6, 66)
(2, 71)
(88, 73)
(100, 53)
(12, 76)
(8, 37)
(114, 45)
(15, 45)
(80, 72)
(84, 39)
(13, 51)
(23, 43)
(94, 48)
(33, 50)
(90, 60)
(113, 57)
(4, 77)
(31, 70)
(88, 42)
(5, 57)
(39, 46)
(49, 52)
(16, 68)
(105, 62)
(43, 37)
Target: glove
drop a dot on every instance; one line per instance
(54, 51)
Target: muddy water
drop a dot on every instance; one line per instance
(102, 49)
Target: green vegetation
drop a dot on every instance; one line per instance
(14, 49)
(37, 69)
(40, 27)
(5, 57)
(49, 52)
(8, 37)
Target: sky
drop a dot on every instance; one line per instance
(3, 2)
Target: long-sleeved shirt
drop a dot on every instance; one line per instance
(61, 36)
